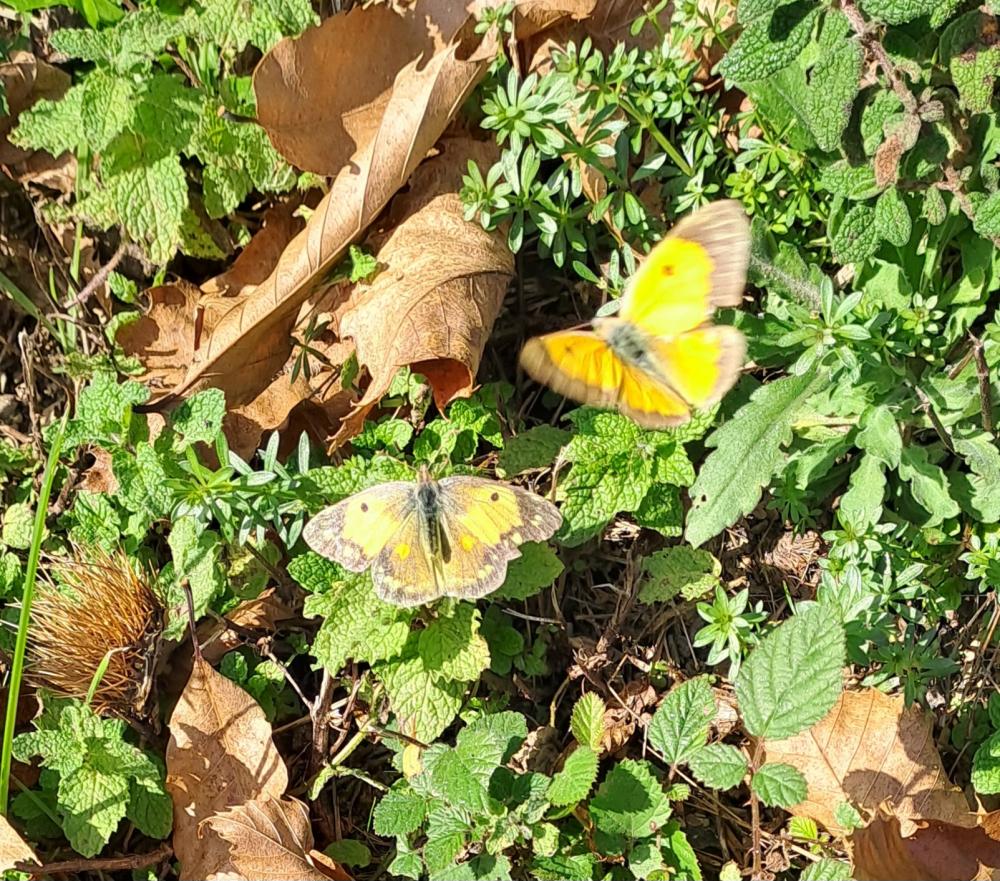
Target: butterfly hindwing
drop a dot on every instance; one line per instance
(577, 364)
(698, 267)
(354, 531)
(702, 364)
(406, 572)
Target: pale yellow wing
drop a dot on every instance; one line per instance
(701, 365)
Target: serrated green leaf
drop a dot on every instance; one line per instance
(847, 816)
(983, 458)
(535, 448)
(928, 484)
(803, 827)
(195, 551)
(747, 452)
(827, 870)
(678, 571)
(577, 867)
(853, 182)
(572, 784)
(794, 676)
(424, 704)
(748, 10)
(399, 812)
(452, 646)
(508, 729)
(679, 727)
(987, 220)
(630, 801)
(986, 766)
(18, 523)
(770, 42)
(893, 218)
(779, 785)
(131, 43)
(857, 236)
(92, 803)
(52, 126)
(406, 865)
(439, 853)
(879, 436)
(644, 859)
(536, 568)
(199, 418)
(104, 411)
(899, 11)
(150, 807)
(832, 89)
(59, 750)
(106, 109)
(719, 765)
(662, 510)
(861, 505)
(95, 521)
(150, 199)
(587, 720)
(461, 776)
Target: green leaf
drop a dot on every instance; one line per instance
(987, 221)
(779, 785)
(536, 568)
(452, 646)
(199, 418)
(983, 458)
(150, 807)
(794, 676)
(578, 867)
(532, 449)
(195, 552)
(630, 801)
(679, 727)
(572, 784)
(899, 11)
(879, 436)
(18, 524)
(406, 864)
(662, 510)
(861, 505)
(439, 853)
(587, 720)
(719, 765)
(986, 766)
(678, 570)
(893, 218)
(150, 199)
(132, 43)
(93, 803)
(748, 10)
(747, 452)
(424, 704)
(399, 812)
(928, 484)
(803, 827)
(104, 411)
(832, 90)
(857, 236)
(461, 776)
(106, 109)
(827, 870)
(770, 42)
(508, 729)
(853, 182)
(52, 126)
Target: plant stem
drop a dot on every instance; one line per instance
(30, 576)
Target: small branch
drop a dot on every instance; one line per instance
(104, 864)
(871, 42)
(925, 405)
(98, 279)
(983, 374)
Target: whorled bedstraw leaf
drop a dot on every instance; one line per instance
(719, 766)
(832, 89)
(794, 675)
(573, 781)
(747, 451)
(587, 720)
(779, 785)
(679, 727)
(678, 571)
(770, 42)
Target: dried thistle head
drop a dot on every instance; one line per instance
(94, 604)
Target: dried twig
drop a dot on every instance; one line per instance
(102, 864)
(98, 279)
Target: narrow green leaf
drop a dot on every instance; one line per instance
(587, 720)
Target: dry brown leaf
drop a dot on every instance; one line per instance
(220, 755)
(269, 838)
(424, 96)
(867, 750)
(100, 476)
(262, 613)
(433, 305)
(936, 851)
(13, 848)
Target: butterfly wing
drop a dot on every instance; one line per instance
(354, 531)
(407, 572)
(698, 267)
(485, 522)
(702, 364)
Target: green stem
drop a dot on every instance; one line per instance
(647, 123)
(30, 576)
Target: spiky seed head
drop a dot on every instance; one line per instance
(89, 605)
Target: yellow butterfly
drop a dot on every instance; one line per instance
(660, 356)
(430, 539)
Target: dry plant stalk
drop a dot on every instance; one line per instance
(94, 604)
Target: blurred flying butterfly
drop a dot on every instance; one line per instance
(661, 356)
(432, 538)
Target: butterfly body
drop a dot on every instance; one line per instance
(427, 539)
(660, 357)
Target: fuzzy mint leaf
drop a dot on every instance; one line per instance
(18, 524)
(452, 646)
(94, 521)
(678, 570)
(832, 90)
(131, 43)
(986, 766)
(630, 801)
(899, 11)
(614, 465)
(399, 812)
(199, 418)
(662, 510)
(779, 785)
(104, 411)
(573, 782)
(587, 720)
(195, 552)
(893, 218)
(793, 677)
(535, 448)
(150, 807)
(424, 704)
(536, 568)
(747, 452)
(770, 42)
(106, 109)
(233, 24)
(857, 236)
(680, 726)
(719, 765)
(52, 126)
(461, 776)
(92, 803)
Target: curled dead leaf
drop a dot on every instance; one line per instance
(270, 838)
(867, 750)
(433, 305)
(220, 755)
